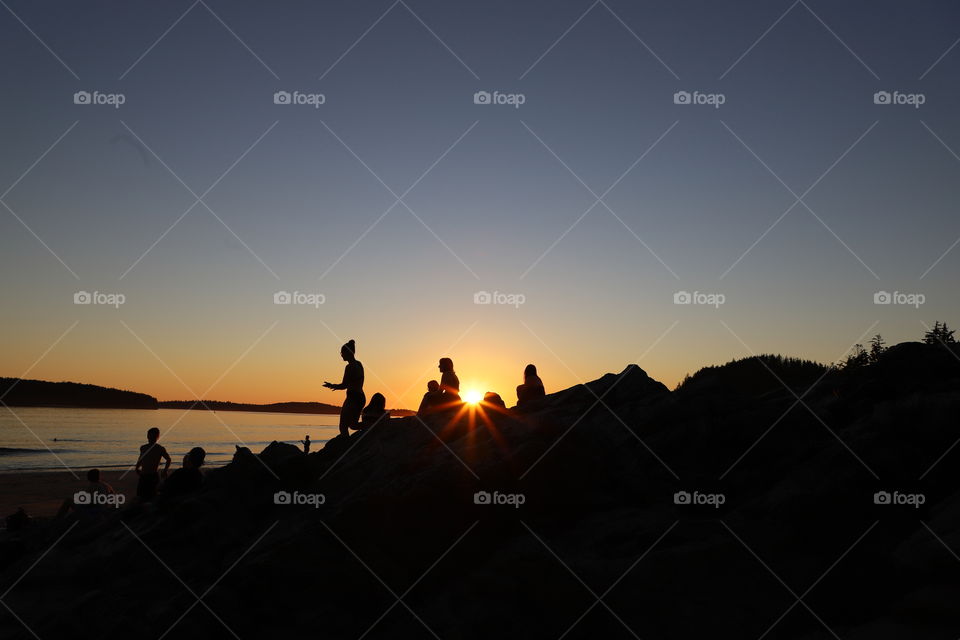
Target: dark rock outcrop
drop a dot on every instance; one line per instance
(688, 513)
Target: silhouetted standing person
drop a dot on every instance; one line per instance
(148, 465)
(353, 384)
(449, 382)
(532, 387)
(306, 444)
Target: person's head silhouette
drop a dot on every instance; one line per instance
(348, 351)
(93, 475)
(194, 458)
(377, 402)
(433, 386)
(446, 365)
(530, 371)
(153, 434)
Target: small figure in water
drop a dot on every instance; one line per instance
(375, 411)
(306, 443)
(449, 382)
(431, 399)
(352, 383)
(148, 464)
(532, 387)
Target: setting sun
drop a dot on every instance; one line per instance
(473, 396)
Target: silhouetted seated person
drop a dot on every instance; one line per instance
(188, 478)
(449, 383)
(432, 399)
(532, 387)
(18, 520)
(90, 501)
(374, 412)
(494, 400)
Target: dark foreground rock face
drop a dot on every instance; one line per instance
(615, 509)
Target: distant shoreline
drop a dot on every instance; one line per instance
(197, 406)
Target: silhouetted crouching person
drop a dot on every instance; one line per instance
(375, 412)
(91, 501)
(148, 464)
(449, 383)
(353, 384)
(188, 478)
(431, 399)
(532, 387)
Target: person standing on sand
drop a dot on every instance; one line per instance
(352, 383)
(148, 464)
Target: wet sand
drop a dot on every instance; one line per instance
(41, 493)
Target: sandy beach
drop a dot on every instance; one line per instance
(42, 492)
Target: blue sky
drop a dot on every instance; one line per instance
(301, 197)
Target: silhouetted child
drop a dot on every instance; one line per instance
(306, 444)
(449, 382)
(431, 399)
(188, 478)
(148, 464)
(86, 500)
(532, 387)
(352, 383)
(375, 411)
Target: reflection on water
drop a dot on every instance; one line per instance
(105, 438)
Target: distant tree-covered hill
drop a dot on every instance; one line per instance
(754, 375)
(16, 392)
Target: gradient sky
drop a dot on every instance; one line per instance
(598, 80)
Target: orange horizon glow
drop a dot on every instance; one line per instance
(243, 362)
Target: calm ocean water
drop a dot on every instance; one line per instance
(49, 439)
